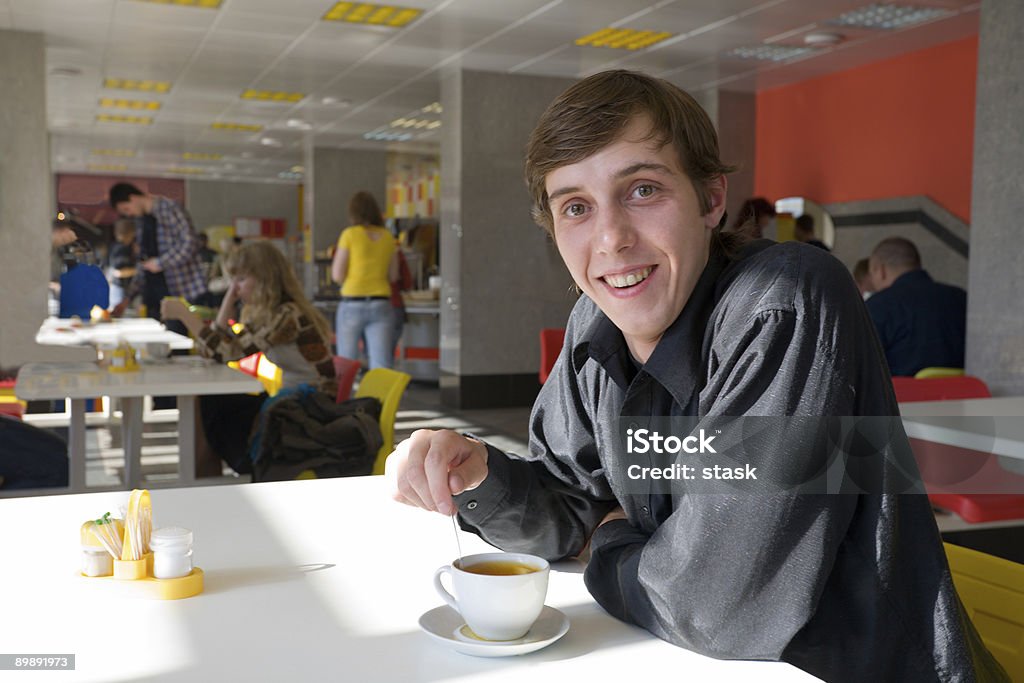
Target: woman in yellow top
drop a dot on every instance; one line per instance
(365, 264)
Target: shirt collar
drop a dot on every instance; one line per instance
(912, 276)
(676, 371)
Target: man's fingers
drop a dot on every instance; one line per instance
(436, 465)
(468, 475)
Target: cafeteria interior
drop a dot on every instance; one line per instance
(262, 121)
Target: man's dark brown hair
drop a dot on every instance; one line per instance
(593, 113)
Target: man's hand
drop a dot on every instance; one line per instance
(429, 467)
(118, 310)
(152, 265)
(173, 309)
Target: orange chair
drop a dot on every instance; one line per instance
(551, 340)
(936, 460)
(345, 370)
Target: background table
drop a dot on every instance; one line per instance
(136, 331)
(957, 423)
(305, 581)
(183, 376)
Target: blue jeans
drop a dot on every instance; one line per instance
(372, 321)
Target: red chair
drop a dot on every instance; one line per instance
(551, 340)
(936, 461)
(345, 369)
(911, 390)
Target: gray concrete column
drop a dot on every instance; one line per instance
(995, 296)
(502, 277)
(735, 119)
(334, 176)
(26, 198)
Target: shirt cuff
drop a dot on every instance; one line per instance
(477, 505)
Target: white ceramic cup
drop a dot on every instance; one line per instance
(496, 607)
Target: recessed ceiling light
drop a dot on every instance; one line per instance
(622, 38)
(119, 118)
(769, 53)
(203, 4)
(114, 152)
(119, 103)
(298, 124)
(227, 125)
(367, 13)
(107, 167)
(823, 39)
(201, 156)
(270, 142)
(186, 170)
(331, 100)
(271, 95)
(133, 84)
(297, 169)
(887, 16)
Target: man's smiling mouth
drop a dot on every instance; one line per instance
(628, 279)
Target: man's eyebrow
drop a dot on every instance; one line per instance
(624, 173)
(644, 166)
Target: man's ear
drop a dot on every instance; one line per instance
(717, 190)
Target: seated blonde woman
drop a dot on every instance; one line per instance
(279, 321)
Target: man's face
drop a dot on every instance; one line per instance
(627, 223)
(132, 208)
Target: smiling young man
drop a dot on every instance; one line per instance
(680, 320)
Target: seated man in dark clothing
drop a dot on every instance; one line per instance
(680, 321)
(921, 323)
(803, 231)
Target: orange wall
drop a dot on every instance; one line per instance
(899, 127)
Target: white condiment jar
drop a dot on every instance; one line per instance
(96, 561)
(172, 552)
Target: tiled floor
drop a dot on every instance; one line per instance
(420, 409)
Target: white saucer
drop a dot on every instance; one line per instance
(445, 625)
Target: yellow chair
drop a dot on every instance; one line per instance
(932, 373)
(387, 386)
(992, 590)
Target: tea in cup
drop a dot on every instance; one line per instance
(500, 595)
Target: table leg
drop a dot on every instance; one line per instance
(131, 430)
(187, 406)
(76, 446)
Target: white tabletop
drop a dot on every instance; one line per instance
(136, 331)
(176, 376)
(990, 425)
(306, 580)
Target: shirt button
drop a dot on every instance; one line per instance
(471, 505)
(645, 510)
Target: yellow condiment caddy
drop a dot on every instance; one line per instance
(135, 565)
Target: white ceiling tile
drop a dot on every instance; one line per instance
(212, 56)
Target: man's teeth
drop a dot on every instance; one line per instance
(629, 279)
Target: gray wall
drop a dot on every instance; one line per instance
(995, 300)
(337, 174)
(26, 200)
(503, 279)
(213, 202)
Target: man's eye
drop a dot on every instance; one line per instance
(575, 210)
(644, 190)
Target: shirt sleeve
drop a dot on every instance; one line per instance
(548, 501)
(225, 345)
(736, 576)
(181, 242)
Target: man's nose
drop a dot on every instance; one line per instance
(614, 230)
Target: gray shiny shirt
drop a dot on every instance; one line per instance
(847, 587)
